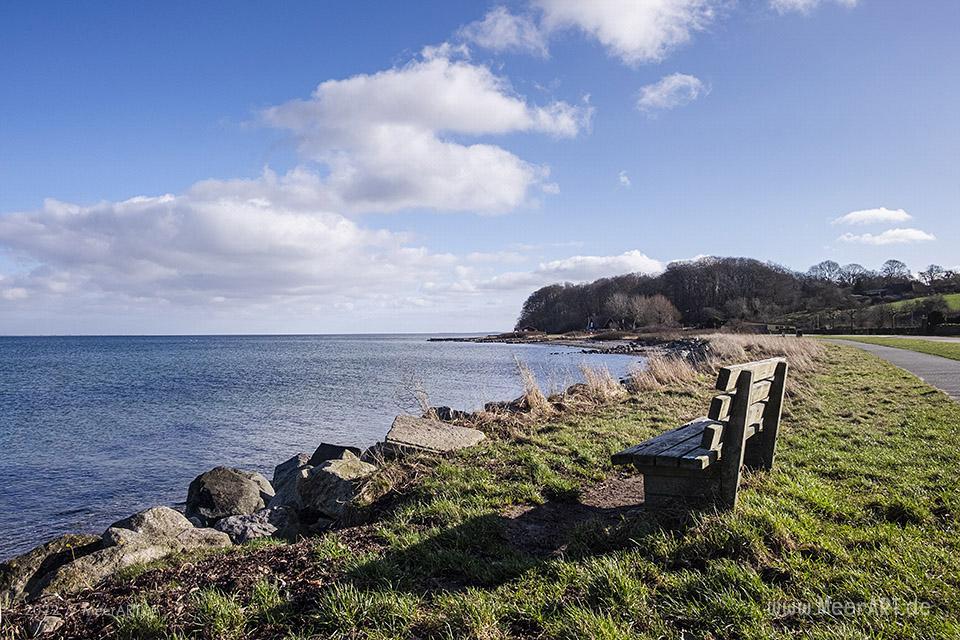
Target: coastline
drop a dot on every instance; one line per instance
(598, 342)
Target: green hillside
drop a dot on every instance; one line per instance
(953, 301)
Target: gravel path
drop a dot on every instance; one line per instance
(942, 373)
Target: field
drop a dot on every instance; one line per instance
(532, 536)
(933, 347)
(952, 299)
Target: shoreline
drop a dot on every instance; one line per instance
(604, 343)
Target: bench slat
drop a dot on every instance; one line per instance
(645, 452)
(762, 370)
(699, 458)
(720, 405)
(671, 457)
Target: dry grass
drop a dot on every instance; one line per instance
(661, 371)
(725, 349)
(534, 398)
(731, 348)
(600, 385)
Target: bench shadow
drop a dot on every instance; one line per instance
(490, 550)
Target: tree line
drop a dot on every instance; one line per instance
(711, 292)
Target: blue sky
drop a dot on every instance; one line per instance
(368, 166)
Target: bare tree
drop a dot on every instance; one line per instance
(931, 274)
(894, 269)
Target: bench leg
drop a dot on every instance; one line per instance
(734, 441)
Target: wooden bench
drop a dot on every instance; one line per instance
(704, 458)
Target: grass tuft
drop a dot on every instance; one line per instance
(140, 620)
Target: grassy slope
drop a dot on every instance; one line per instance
(952, 299)
(864, 503)
(934, 347)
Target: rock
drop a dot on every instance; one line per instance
(279, 521)
(266, 489)
(286, 480)
(409, 433)
(144, 537)
(375, 454)
(327, 489)
(330, 452)
(73, 563)
(446, 414)
(154, 522)
(286, 470)
(47, 624)
(517, 405)
(115, 536)
(223, 492)
(21, 577)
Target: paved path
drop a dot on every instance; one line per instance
(933, 338)
(942, 373)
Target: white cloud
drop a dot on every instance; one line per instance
(390, 139)
(575, 269)
(890, 236)
(251, 256)
(805, 6)
(192, 248)
(501, 30)
(870, 216)
(624, 179)
(13, 293)
(671, 91)
(634, 31)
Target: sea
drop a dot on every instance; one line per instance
(93, 429)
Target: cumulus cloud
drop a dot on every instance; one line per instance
(805, 6)
(624, 179)
(575, 269)
(890, 236)
(671, 91)
(396, 139)
(192, 249)
(501, 30)
(635, 32)
(250, 256)
(870, 216)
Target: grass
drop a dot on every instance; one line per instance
(952, 300)
(933, 347)
(863, 508)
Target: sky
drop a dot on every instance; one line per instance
(344, 167)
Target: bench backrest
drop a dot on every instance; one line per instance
(749, 406)
(768, 378)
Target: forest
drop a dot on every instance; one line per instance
(714, 292)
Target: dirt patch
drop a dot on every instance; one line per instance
(545, 530)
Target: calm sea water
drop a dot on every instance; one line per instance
(93, 429)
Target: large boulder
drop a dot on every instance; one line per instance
(410, 434)
(279, 522)
(331, 452)
(223, 492)
(327, 489)
(144, 537)
(287, 478)
(288, 469)
(21, 577)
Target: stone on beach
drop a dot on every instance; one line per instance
(410, 433)
(73, 563)
(277, 521)
(224, 491)
(331, 452)
(327, 489)
(20, 576)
